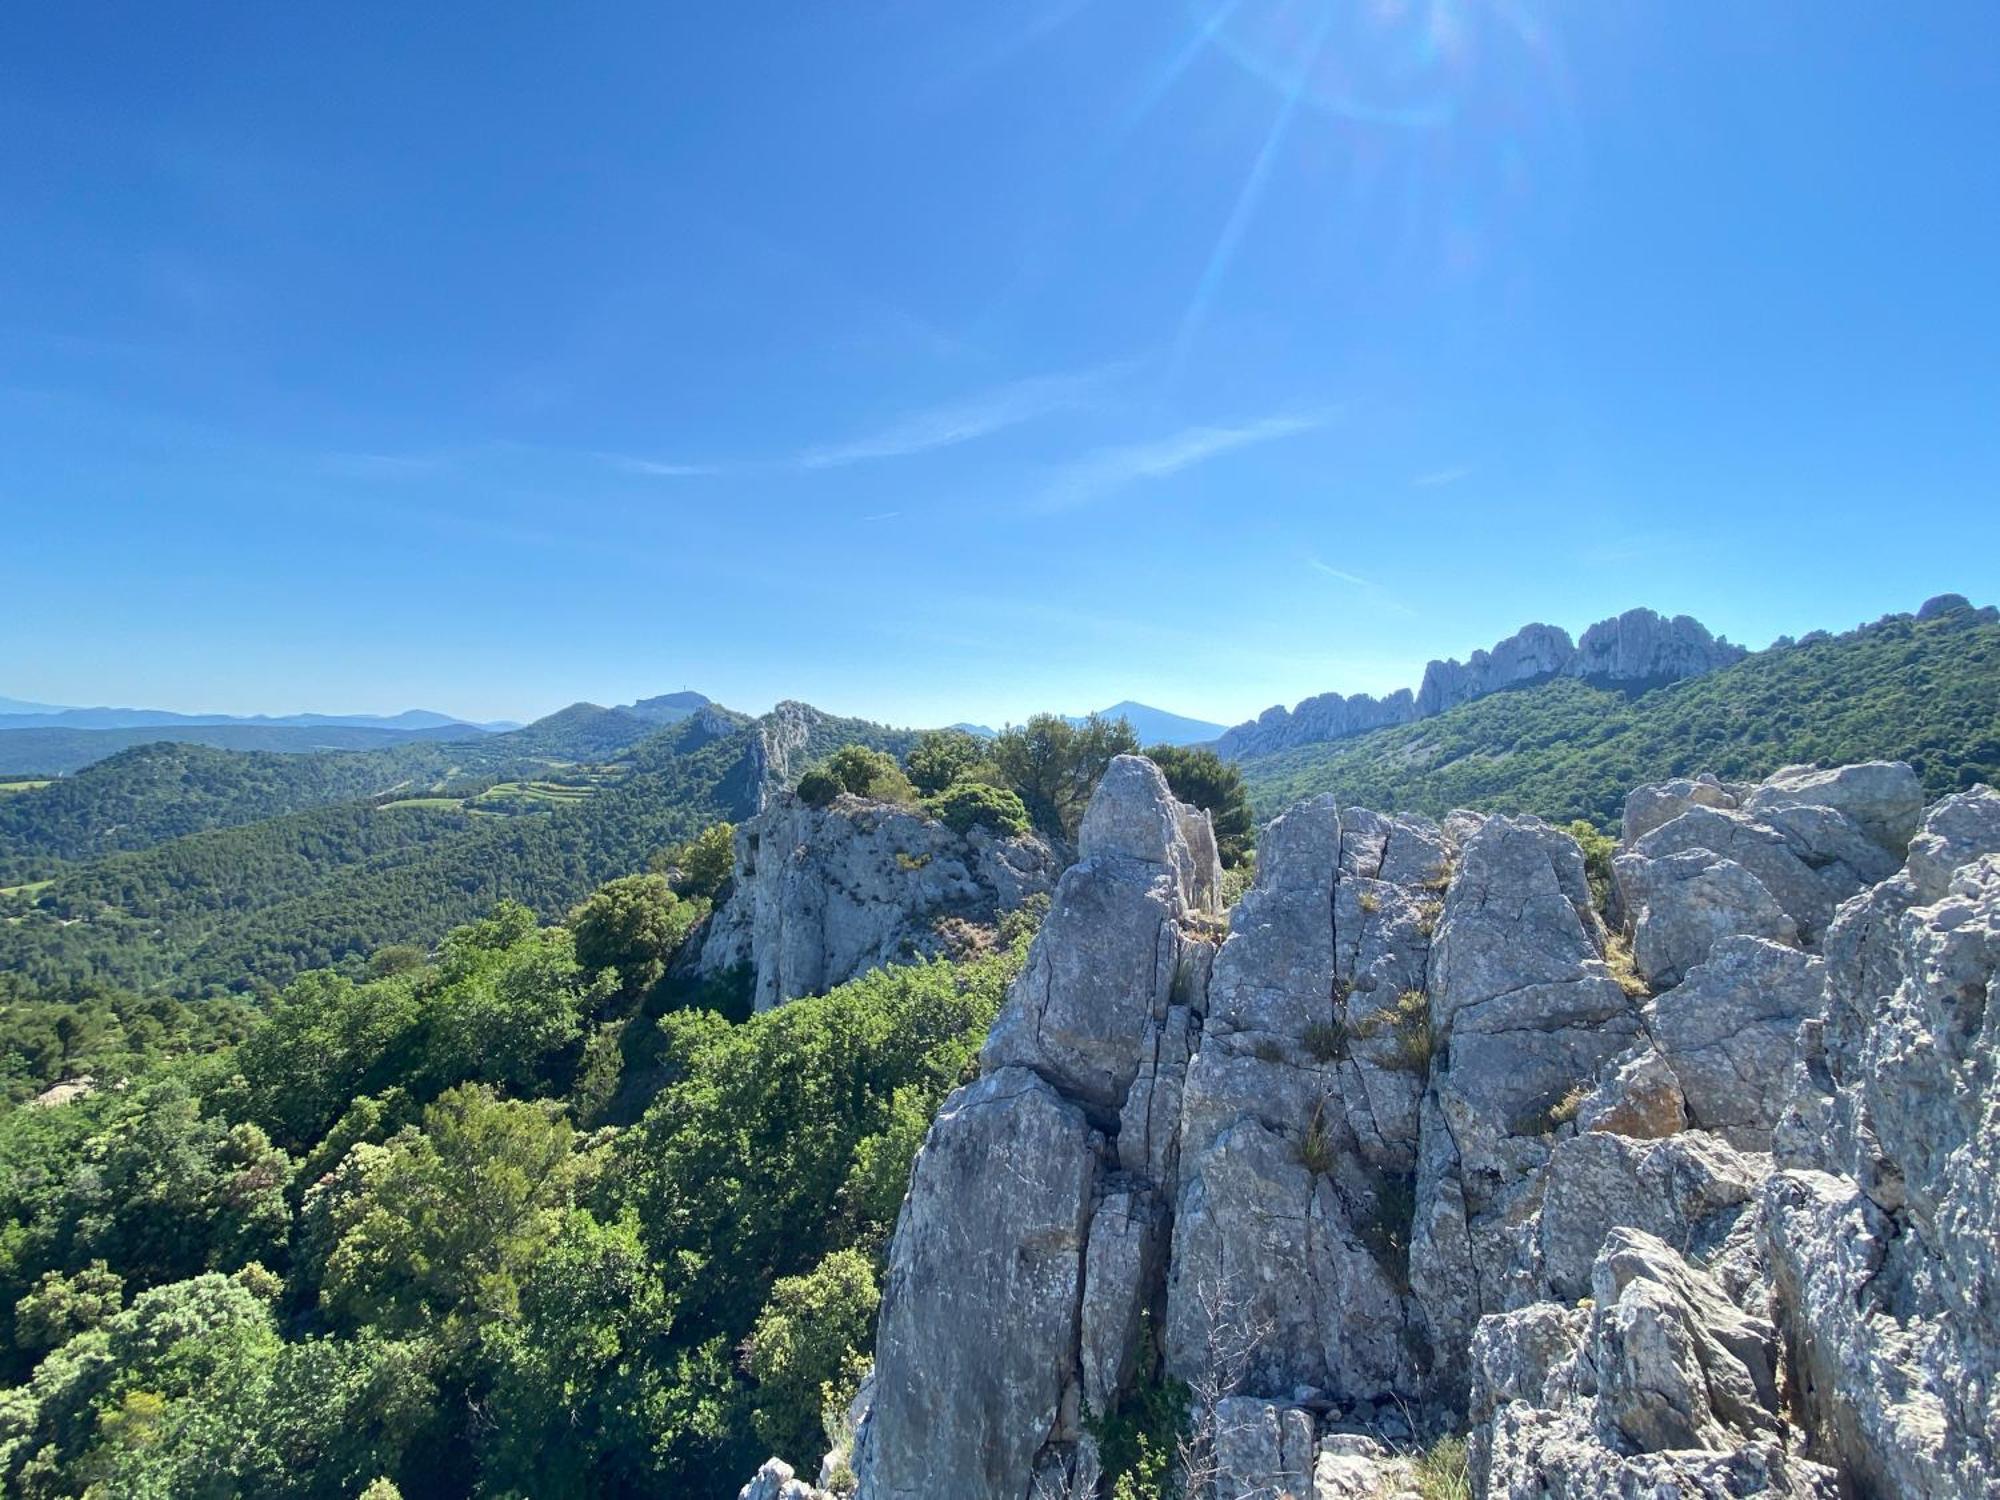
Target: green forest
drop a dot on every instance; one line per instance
(491, 1223)
(359, 1134)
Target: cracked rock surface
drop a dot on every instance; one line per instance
(820, 895)
(1411, 1153)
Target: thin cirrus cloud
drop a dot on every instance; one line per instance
(1378, 597)
(1110, 469)
(1345, 577)
(966, 420)
(661, 469)
(1441, 477)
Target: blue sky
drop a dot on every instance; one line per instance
(945, 361)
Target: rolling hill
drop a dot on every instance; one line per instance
(250, 906)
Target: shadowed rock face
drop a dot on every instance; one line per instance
(1409, 1147)
(1636, 647)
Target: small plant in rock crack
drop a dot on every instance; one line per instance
(1442, 1471)
(1316, 1148)
(1407, 1020)
(1618, 957)
(1428, 915)
(1554, 1115)
(1368, 901)
(1385, 1228)
(1326, 1041)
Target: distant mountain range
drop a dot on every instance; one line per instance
(17, 714)
(1154, 726)
(47, 739)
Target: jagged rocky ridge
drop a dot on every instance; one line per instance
(819, 895)
(1636, 647)
(1411, 1149)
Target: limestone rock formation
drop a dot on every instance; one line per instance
(1882, 1226)
(819, 895)
(1641, 647)
(1404, 1156)
(1663, 1387)
(1019, 1190)
(1638, 647)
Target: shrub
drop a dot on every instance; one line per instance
(940, 757)
(633, 925)
(811, 1331)
(1055, 765)
(818, 787)
(965, 805)
(702, 866)
(868, 773)
(1598, 849)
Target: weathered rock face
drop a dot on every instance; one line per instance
(1532, 653)
(1327, 716)
(1028, 1246)
(1638, 646)
(1664, 1387)
(1523, 1011)
(819, 895)
(1404, 1153)
(1771, 861)
(1882, 1228)
(1300, 1113)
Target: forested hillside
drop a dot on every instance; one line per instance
(58, 751)
(162, 790)
(254, 905)
(1925, 691)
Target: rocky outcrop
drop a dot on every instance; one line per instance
(1027, 1215)
(1640, 647)
(819, 895)
(1660, 1386)
(1773, 861)
(1637, 648)
(1533, 653)
(1882, 1225)
(1409, 1152)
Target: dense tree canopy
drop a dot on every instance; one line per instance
(368, 1245)
(1202, 777)
(1054, 765)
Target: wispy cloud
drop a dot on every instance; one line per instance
(965, 420)
(1378, 597)
(883, 515)
(661, 469)
(1108, 469)
(1441, 477)
(1345, 577)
